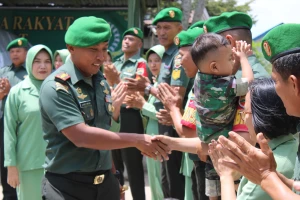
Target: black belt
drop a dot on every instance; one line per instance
(95, 178)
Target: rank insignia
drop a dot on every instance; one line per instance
(102, 83)
(81, 95)
(172, 13)
(176, 74)
(63, 76)
(267, 48)
(60, 86)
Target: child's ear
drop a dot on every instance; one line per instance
(213, 67)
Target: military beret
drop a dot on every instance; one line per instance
(158, 49)
(197, 24)
(187, 38)
(228, 21)
(280, 41)
(135, 32)
(170, 14)
(19, 42)
(88, 31)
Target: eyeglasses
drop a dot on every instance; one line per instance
(243, 114)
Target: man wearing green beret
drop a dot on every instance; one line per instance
(10, 76)
(80, 118)
(168, 25)
(280, 46)
(131, 65)
(236, 26)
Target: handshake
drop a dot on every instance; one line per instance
(157, 147)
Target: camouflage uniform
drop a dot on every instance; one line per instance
(216, 102)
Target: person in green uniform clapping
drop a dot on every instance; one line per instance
(24, 146)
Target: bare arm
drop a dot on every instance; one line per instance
(277, 189)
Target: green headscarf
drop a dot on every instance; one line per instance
(31, 54)
(63, 53)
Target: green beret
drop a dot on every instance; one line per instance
(135, 32)
(228, 21)
(88, 31)
(280, 41)
(19, 42)
(158, 49)
(170, 14)
(187, 38)
(198, 24)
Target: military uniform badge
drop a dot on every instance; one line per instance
(177, 61)
(20, 42)
(135, 31)
(205, 29)
(176, 74)
(60, 86)
(80, 94)
(172, 13)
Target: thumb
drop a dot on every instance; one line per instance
(296, 185)
(263, 143)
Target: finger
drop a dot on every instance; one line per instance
(161, 153)
(145, 154)
(296, 185)
(240, 141)
(235, 153)
(231, 165)
(164, 146)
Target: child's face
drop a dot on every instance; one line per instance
(219, 62)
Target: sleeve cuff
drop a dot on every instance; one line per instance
(10, 163)
(115, 125)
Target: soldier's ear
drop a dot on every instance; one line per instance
(213, 67)
(70, 48)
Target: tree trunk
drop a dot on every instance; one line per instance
(186, 10)
(199, 10)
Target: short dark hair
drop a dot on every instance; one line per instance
(239, 34)
(268, 112)
(206, 43)
(288, 65)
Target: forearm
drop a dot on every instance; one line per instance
(189, 145)
(277, 189)
(246, 69)
(288, 182)
(96, 138)
(227, 188)
(116, 113)
(176, 118)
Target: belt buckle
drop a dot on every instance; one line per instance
(99, 179)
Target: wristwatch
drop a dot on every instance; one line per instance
(148, 89)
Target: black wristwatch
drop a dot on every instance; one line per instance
(148, 89)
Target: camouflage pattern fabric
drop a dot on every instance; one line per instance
(216, 102)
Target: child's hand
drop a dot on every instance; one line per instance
(242, 49)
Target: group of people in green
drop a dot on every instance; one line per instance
(201, 108)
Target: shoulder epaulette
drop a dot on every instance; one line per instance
(63, 76)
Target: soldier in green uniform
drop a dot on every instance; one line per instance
(78, 111)
(168, 25)
(10, 76)
(131, 65)
(236, 26)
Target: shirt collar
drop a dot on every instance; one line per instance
(73, 72)
(280, 140)
(171, 49)
(133, 59)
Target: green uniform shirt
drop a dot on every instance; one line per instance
(172, 72)
(64, 105)
(23, 138)
(128, 68)
(14, 75)
(258, 70)
(284, 149)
